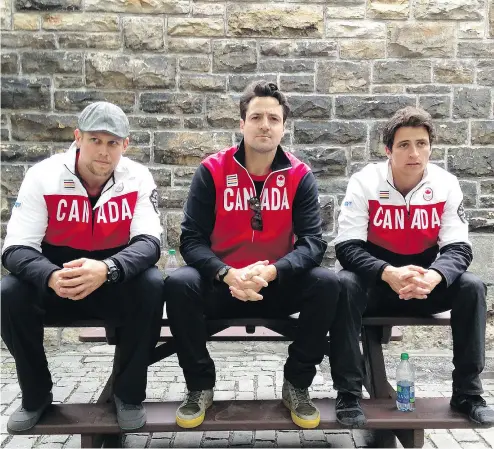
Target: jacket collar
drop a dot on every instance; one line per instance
(280, 161)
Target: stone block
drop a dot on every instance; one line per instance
(68, 82)
(222, 111)
(26, 22)
(345, 12)
(487, 202)
(300, 49)
(297, 83)
(355, 29)
(485, 73)
(162, 176)
(194, 123)
(438, 106)
(429, 89)
(153, 122)
(480, 220)
(143, 33)
(310, 106)
(26, 93)
(80, 22)
(208, 9)
(186, 147)
(402, 71)
(377, 106)
(276, 20)
(48, 5)
(141, 154)
(482, 132)
(471, 162)
(9, 63)
(103, 41)
(182, 176)
(239, 82)
(32, 41)
(195, 27)
(470, 30)
(173, 231)
(50, 62)
(171, 103)
(12, 176)
(342, 76)
(454, 72)
(477, 50)
(487, 187)
(387, 89)
(6, 15)
(29, 152)
(110, 70)
(139, 7)
(471, 102)
(333, 132)
(234, 56)
(43, 127)
(206, 83)
(469, 189)
(450, 132)
(491, 20)
(189, 45)
(286, 65)
(362, 49)
(172, 198)
(77, 100)
(421, 40)
(195, 63)
(388, 9)
(449, 10)
(325, 162)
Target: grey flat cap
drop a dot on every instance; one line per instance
(105, 117)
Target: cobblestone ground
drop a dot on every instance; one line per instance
(244, 371)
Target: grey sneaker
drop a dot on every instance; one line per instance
(192, 411)
(297, 400)
(129, 416)
(23, 419)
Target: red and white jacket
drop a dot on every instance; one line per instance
(53, 213)
(403, 230)
(217, 218)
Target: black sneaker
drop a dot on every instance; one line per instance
(475, 407)
(349, 413)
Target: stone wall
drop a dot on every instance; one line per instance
(177, 67)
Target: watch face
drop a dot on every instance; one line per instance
(113, 276)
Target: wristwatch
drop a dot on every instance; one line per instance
(223, 271)
(113, 271)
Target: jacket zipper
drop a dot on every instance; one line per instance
(254, 186)
(407, 205)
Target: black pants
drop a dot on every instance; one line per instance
(466, 300)
(134, 308)
(190, 300)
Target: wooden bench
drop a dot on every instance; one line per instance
(96, 423)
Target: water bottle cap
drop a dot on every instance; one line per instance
(171, 252)
(404, 356)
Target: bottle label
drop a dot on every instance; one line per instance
(405, 393)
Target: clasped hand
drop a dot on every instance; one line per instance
(246, 283)
(78, 278)
(411, 281)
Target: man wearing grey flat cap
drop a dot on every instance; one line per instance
(82, 243)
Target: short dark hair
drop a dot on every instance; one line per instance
(263, 89)
(408, 116)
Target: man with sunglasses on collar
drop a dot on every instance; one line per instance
(245, 207)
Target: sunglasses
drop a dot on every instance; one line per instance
(256, 220)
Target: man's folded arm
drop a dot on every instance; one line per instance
(310, 247)
(198, 225)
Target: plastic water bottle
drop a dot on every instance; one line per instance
(405, 385)
(171, 263)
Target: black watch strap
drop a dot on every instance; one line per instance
(223, 271)
(113, 273)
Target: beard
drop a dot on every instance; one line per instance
(103, 171)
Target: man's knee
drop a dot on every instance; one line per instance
(473, 288)
(325, 281)
(15, 295)
(149, 285)
(182, 285)
(352, 288)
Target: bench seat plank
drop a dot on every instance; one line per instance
(247, 415)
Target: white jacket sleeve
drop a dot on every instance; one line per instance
(146, 219)
(353, 221)
(29, 219)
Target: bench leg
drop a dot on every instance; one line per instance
(410, 437)
(92, 441)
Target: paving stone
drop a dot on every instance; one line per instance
(339, 439)
(265, 435)
(487, 435)
(241, 438)
(465, 435)
(135, 441)
(187, 439)
(288, 439)
(445, 440)
(21, 441)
